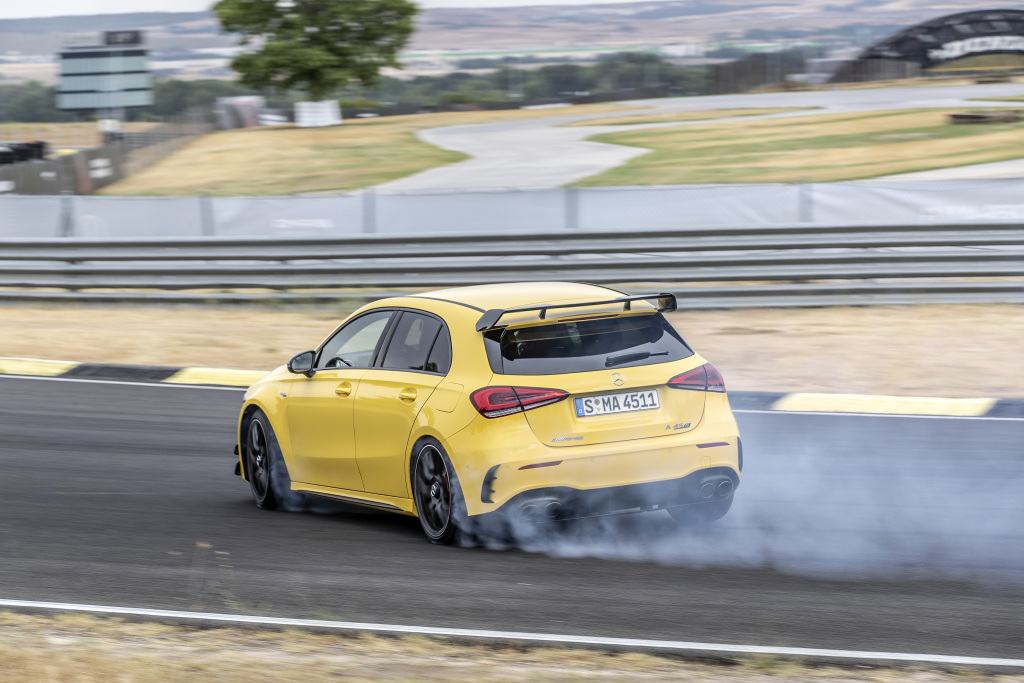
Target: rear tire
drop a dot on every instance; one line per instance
(436, 492)
(265, 467)
(701, 513)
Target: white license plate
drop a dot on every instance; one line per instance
(626, 402)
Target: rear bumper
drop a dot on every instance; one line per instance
(562, 502)
(499, 461)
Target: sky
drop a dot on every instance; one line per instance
(17, 9)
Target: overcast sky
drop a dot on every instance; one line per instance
(13, 9)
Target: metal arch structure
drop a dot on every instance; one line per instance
(942, 40)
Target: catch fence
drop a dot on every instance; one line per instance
(603, 209)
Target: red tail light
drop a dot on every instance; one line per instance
(705, 378)
(499, 401)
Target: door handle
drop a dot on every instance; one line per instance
(343, 389)
(407, 395)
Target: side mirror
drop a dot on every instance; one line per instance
(302, 364)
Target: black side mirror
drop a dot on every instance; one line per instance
(302, 364)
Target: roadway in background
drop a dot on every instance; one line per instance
(538, 154)
(855, 532)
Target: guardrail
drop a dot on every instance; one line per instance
(779, 265)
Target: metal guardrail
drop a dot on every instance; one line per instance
(778, 265)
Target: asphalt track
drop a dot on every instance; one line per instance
(849, 532)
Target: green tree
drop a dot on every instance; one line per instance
(316, 45)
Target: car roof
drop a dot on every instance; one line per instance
(512, 294)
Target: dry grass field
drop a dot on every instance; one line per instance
(73, 648)
(681, 116)
(968, 351)
(78, 134)
(823, 148)
(286, 160)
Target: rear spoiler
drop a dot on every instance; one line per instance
(666, 303)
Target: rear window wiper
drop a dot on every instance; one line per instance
(630, 357)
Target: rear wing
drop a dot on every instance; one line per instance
(666, 303)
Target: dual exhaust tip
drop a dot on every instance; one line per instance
(542, 510)
(710, 489)
(552, 509)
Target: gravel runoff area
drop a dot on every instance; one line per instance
(74, 648)
(966, 350)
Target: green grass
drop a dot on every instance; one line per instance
(998, 99)
(680, 116)
(824, 148)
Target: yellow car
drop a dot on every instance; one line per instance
(476, 407)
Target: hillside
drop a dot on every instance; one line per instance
(548, 26)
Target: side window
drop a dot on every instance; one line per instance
(440, 359)
(413, 338)
(353, 345)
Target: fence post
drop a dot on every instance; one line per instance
(369, 210)
(805, 200)
(572, 208)
(206, 224)
(66, 226)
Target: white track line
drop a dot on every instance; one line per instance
(632, 643)
(916, 417)
(123, 382)
(735, 410)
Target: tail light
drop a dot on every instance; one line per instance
(705, 378)
(500, 401)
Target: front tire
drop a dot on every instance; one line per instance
(267, 473)
(700, 514)
(436, 492)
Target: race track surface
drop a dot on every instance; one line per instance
(849, 532)
(538, 153)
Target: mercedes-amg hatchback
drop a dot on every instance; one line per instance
(476, 406)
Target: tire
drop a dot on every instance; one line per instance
(701, 513)
(436, 492)
(266, 469)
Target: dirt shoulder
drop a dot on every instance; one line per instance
(943, 350)
(82, 648)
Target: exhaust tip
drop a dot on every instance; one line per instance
(553, 510)
(725, 488)
(707, 490)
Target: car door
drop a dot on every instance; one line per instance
(391, 395)
(320, 408)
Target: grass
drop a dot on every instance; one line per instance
(287, 160)
(998, 99)
(74, 648)
(680, 116)
(81, 134)
(898, 350)
(824, 148)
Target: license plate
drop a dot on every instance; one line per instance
(626, 402)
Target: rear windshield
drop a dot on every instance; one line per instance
(585, 345)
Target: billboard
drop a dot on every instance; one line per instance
(104, 70)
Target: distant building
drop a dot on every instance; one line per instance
(104, 72)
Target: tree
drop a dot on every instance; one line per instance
(316, 45)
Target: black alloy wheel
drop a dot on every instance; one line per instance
(258, 460)
(265, 467)
(434, 493)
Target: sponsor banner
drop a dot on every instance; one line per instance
(979, 44)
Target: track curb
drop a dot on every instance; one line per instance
(756, 401)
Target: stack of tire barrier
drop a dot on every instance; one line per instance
(16, 152)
